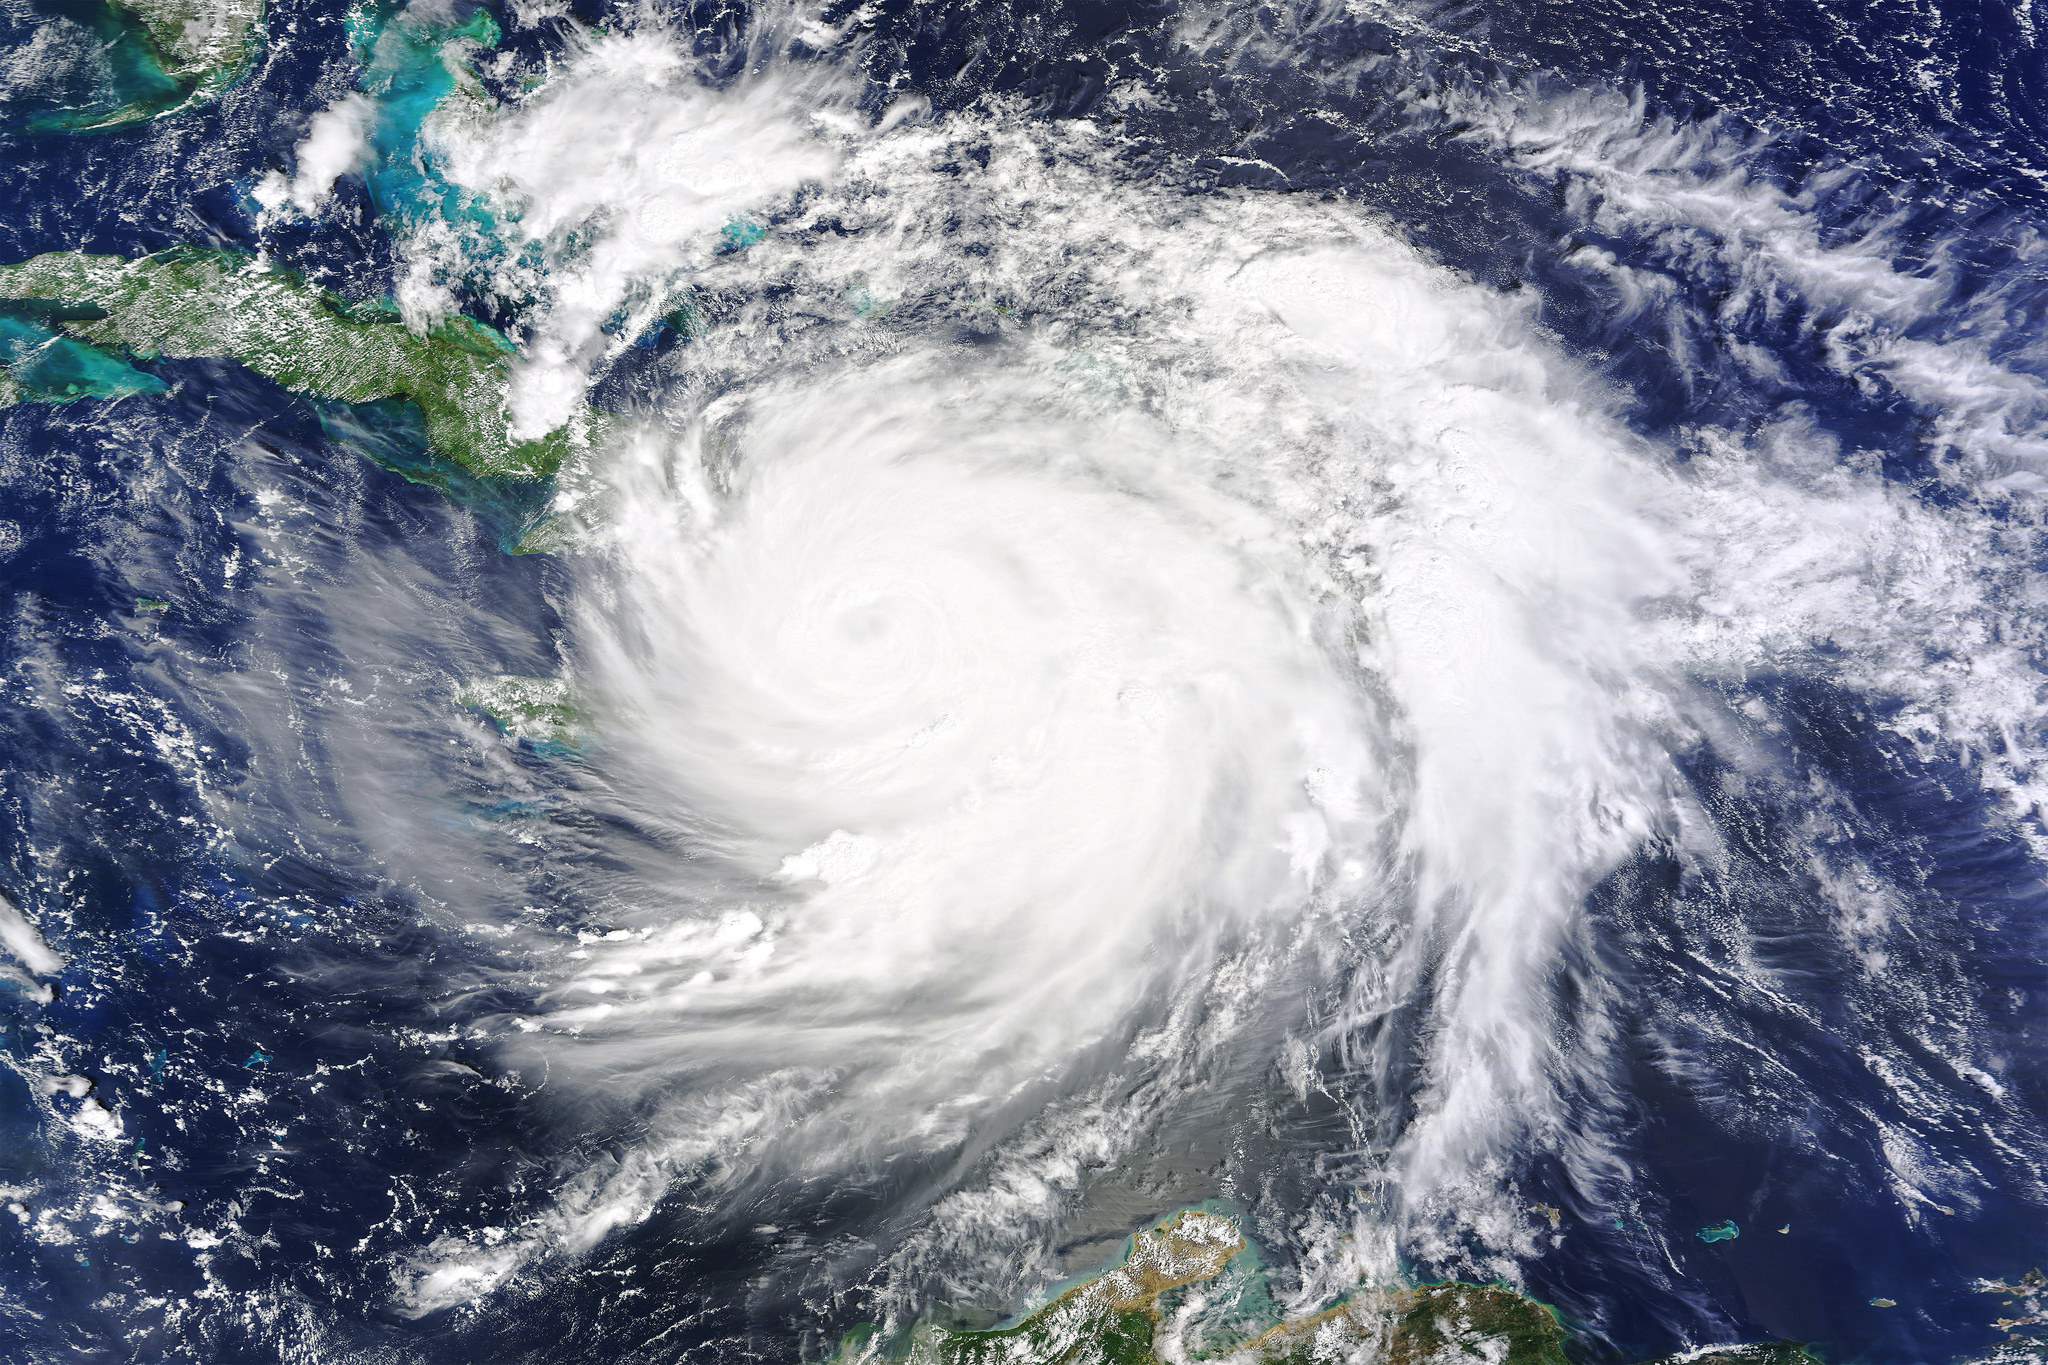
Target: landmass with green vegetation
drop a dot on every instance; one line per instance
(157, 57)
(1117, 1318)
(191, 303)
(1108, 1320)
(200, 43)
(545, 712)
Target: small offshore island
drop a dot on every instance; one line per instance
(1117, 1317)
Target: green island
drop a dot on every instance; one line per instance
(544, 712)
(74, 321)
(1116, 1317)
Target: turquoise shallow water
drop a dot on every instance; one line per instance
(125, 84)
(238, 789)
(58, 369)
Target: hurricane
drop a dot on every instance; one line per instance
(1149, 683)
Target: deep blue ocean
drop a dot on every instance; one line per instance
(230, 627)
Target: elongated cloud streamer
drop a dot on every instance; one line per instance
(616, 221)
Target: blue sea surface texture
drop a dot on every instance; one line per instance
(1423, 622)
